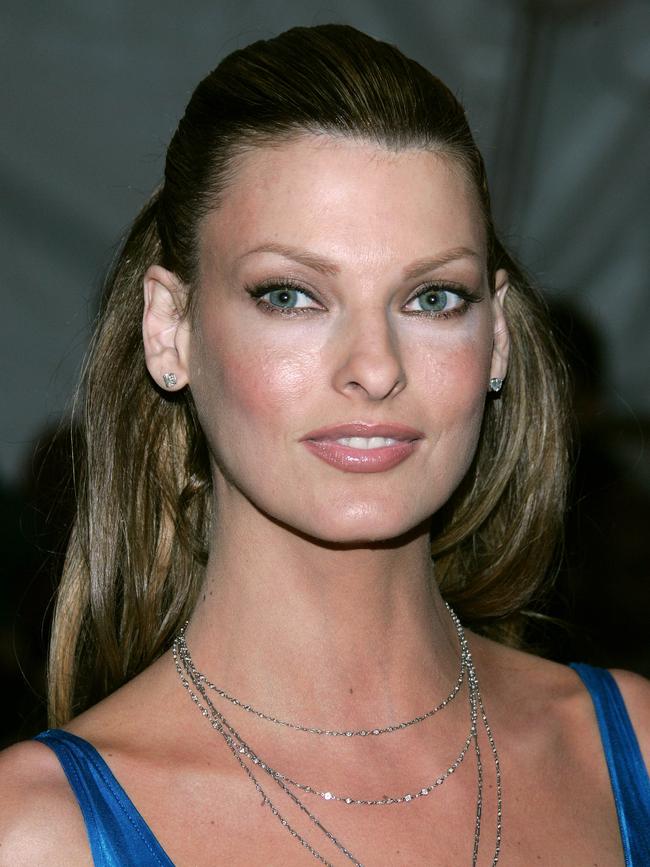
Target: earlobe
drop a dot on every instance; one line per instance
(501, 335)
(165, 330)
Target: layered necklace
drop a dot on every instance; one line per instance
(201, 689)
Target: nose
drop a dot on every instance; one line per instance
(368, 358)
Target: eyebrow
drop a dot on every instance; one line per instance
(329, 268)
(303, 257)
(422, 266)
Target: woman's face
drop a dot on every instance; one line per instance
(344, 337)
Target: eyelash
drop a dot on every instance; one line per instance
(257, 292)
(466, 296)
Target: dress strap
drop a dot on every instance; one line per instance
(627, 770)
(117, 833)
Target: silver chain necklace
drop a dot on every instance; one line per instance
(193, 680)
(182, 645)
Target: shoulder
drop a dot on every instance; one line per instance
(543, 690)
(539, 697)
(40, 821)
(635, 690)
(527, 679)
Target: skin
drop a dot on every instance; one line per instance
(263, 380)
(318, 603)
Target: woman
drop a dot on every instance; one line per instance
(335, 347)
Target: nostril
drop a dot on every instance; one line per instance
(369, 361)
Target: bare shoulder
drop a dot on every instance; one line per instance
(537, 695)
(526, 676)
(40, 821)
(544, 690)
(635, 690)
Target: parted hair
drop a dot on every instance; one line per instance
(138, 547)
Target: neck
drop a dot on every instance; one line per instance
(297, 626)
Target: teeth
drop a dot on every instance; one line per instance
(366, 442)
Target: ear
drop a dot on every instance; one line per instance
(501, 340)
(165, 329)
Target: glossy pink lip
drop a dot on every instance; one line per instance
(323, 443)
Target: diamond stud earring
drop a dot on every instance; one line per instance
(169, 379)
(496, 384)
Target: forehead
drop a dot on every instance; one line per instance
(351, 200)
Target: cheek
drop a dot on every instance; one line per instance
(263, 384)
(456, 372)
(244, 387)
(454, 380)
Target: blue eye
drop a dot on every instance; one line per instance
(436, 300)
(284, 297)
(281, 297)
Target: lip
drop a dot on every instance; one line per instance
(365, 429)
(323, 443)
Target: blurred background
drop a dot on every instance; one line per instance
(557, 95)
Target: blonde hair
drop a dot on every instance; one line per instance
(138, 549)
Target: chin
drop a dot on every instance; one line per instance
(362, 524)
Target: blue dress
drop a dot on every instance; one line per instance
(119, 836)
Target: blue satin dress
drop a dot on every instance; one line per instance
(119, 836)
(627, 771)
(117, 833)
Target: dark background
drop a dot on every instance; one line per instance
(557, 95)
